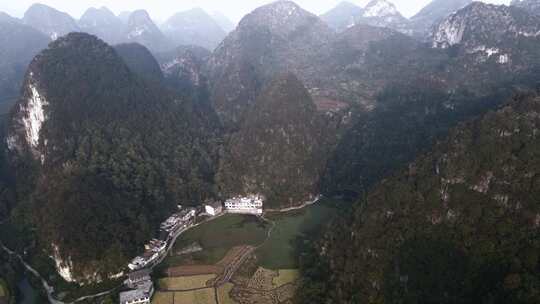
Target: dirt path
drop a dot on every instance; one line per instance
(304, 205)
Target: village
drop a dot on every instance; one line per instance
(139, 286)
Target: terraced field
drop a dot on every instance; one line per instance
(232, 272)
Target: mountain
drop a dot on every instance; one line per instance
(103, 156)
(7, 18)
(532, 6)
(184, 68)
(414, 94)
(194, 27)
(141, 29)
(140, 61)
(50, 21)
(458, 225)
(380, 13)
(224, 22)
(433, 13)
(276, 38)
(20, 43)
(124, 16)
(383, 13)
(342, 16)
(102, 23)
(484, 25)
(282, 127)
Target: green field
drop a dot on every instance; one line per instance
(280, 251)
(286, 276)
(202, 296)
(185, 283)
(218, 236)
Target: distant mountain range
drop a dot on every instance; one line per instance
(104, 141)
(384, 14)
(193, 27)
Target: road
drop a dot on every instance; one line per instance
(50, 290)
(304, 205)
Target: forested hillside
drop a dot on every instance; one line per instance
(459, 225)
(101, 156)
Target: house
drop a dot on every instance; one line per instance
(176, 223)
(156, 245)
(148, 257)
(138, 277)
(251, 204)
(213, 208)
(188, 214)
(141, 295)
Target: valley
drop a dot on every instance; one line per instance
(355, 156)
(266, 273)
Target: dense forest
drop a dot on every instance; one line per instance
(459, 225)
(279, 148)
(115, 156)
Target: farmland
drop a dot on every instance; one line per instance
(244, 259)
(185, 282)
(286, 276)
(279, 251)
(217, 237)
(201, 296)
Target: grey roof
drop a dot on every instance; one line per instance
(135, 275)
(143, 291)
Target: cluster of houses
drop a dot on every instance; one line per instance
(251, 204)
(139, 282)
(142, 288)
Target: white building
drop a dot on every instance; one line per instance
(141, 295)
(142, 261)
(213, 208)
(251, 204)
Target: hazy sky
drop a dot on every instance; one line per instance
(162, 9)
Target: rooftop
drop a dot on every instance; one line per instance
(143, 291)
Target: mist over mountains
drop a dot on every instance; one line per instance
(427, 126)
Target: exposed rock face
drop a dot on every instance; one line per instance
(482, 24)
(279, 151)
(383, 13)
(20, 43)
(439, 85)
(102, 23)
(86, 124)
(275, 38)
(467, 208)
(342, 16)
(433, 14)
(531, 6)
(184, 68)
(380, 13)
(141, 29)
(194, 27)
(50, 21)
